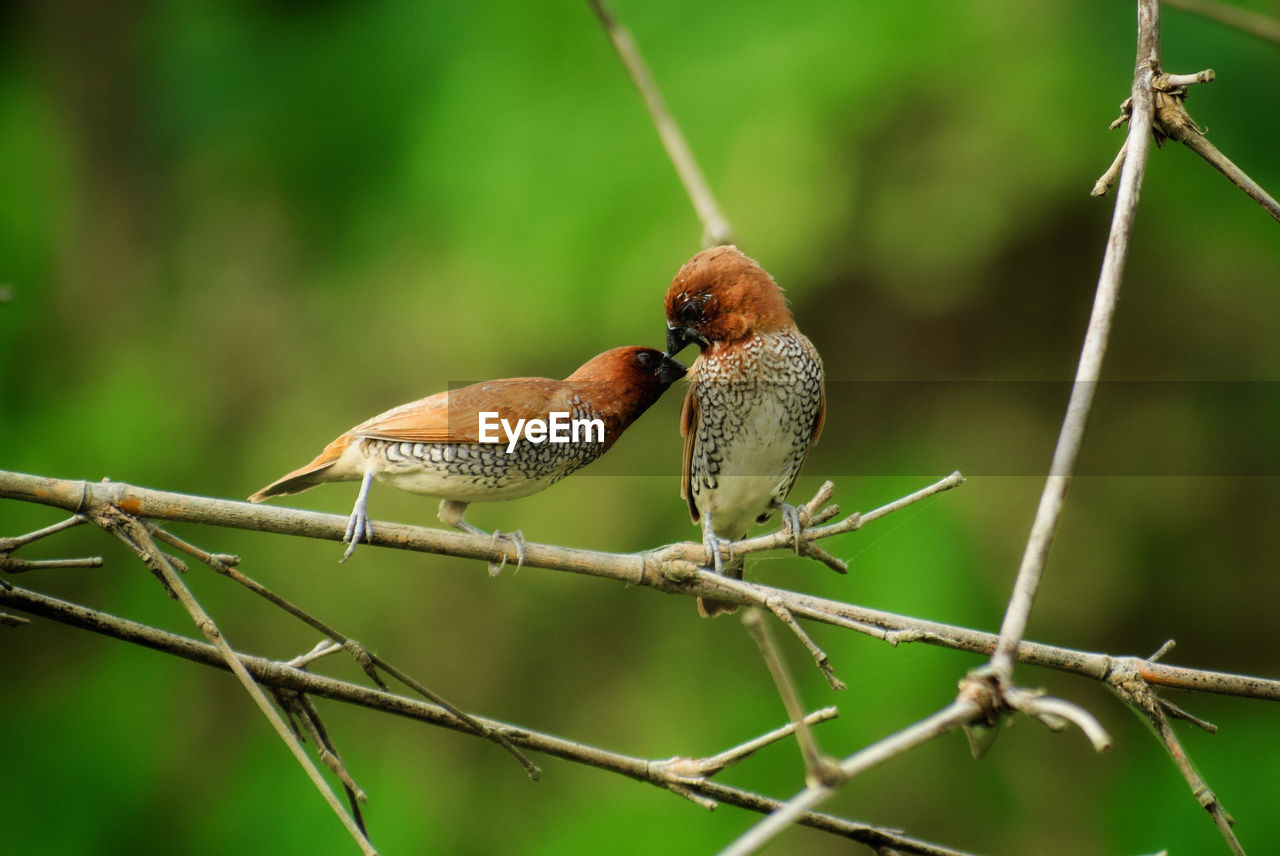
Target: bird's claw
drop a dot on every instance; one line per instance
(359, 528)
(718, 550)
(792, 524)
(358, 525)
(517, 539)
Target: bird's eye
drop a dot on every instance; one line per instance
(691, 311)
(646, 358)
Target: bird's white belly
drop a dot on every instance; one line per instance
(444, 485)
(754, 462)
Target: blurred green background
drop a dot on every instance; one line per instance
(233, 229)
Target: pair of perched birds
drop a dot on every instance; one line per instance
(755, 403)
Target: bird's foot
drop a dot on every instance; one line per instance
(358, 529)
(517, 539)
(719, 550)
(358, 525)
(793, 523)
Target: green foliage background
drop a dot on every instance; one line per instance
(233, 229)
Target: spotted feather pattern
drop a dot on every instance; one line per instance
(751, 413)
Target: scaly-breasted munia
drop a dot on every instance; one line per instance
(754, 404)
(444, 446)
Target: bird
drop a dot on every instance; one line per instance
(481, 443)
(754, 404)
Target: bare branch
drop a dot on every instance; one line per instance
(944, 721)
(275, 674)
(1103, 184)
(366, 659)
(1194, 139)
(1172, 122)
(818, 767)
(655, 568)
(136, 536)
(1071, 436)
(21, 566)
(699, 767)
(8, 545)
(715, 226)
(1127, 682)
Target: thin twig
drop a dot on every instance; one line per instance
(944, 721)
(709, 766)
(1104, 184)
(1127, 682)
(818, 767)
(1173, 122)
(852, 523)
(715, 226)
(305, 719)
(1200, 144)
(8, 545)
(1089, 369)
(21, 566)
(365, 658)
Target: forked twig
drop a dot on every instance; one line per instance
(275, 674)
(136, 536)
(367, 660)
(818, 767)
(1127, 682)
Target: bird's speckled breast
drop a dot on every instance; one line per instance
(758, 401)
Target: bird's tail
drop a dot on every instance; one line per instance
(711, 608)
(314, 473)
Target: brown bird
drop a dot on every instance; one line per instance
(754, 405)
(503, 439)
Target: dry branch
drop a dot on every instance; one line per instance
(673, 774)
(649, 568)
(715, 226)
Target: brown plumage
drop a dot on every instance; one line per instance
(434, 446)
(754, 405)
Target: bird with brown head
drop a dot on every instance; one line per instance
(754, 405)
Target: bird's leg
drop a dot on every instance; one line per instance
(359, 526)
(450, 514)
(792, 523)
(717, 548)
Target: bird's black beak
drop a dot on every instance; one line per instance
(678, 338)
(670, 371)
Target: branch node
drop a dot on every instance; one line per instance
(989, 689)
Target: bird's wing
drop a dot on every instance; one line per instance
(688, 426)
(821, 418)
(453, 416)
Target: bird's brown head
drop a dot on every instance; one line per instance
(621, 384)
(721, 296)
